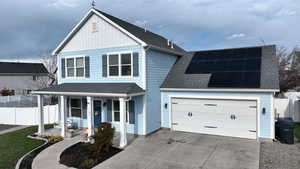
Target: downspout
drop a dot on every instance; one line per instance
(145, 96)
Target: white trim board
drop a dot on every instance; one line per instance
(220, 90)
(257, 99)
(87, 94)
(83, 20)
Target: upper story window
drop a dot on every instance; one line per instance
(120, 65)
(75, 67)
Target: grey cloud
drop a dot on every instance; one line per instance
(32, 27)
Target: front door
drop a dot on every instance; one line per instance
(97, 112)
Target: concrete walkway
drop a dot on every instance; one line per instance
(49, 158)
(15, 128)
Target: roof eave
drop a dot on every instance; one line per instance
(166, 50)
(87, 94)
(220, 89)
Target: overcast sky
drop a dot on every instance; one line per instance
(31, 28)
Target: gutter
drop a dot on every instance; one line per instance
(87, 94)
(165, 50)
(219, 90)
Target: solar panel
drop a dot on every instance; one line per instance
(229, 68)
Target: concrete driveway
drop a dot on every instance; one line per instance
(179, 150)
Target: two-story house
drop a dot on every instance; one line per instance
(113, 71)
(21, 78)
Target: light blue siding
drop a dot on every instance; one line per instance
(96, 66)
(158, 66)
(265, 100)
(136, 128)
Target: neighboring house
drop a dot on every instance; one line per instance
(113, 71)
(22, 78)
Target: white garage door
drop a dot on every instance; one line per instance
(236, 118)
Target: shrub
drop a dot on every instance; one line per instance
(6, 92)
(54, 139)
(103, 138)
(87, 164)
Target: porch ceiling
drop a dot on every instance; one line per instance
(93, 89)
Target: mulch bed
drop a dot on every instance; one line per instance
(81, 156)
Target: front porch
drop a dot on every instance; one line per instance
(82, 110)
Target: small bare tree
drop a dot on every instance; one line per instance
(289, 68)
(49, 62)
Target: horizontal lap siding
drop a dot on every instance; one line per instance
(266, 100)
(96, 66)
(158, 66)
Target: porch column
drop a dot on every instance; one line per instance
(90, 116)
(40, 100)
(59, 111)
(123, 129)
(63, 113)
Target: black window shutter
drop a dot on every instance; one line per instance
(131, 112)
(104, 65)
(109, 110)
(63, 69)
(87, 66)
(135, 64)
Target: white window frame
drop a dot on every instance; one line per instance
(75, 66)
(70, 108)
(120, 64)
(127, 112)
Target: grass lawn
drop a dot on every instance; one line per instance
(15, 144)
(297, 132)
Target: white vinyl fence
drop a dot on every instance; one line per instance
(27, 115)
(287, 108)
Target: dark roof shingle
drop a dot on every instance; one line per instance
(22, 68)
(116, 88)
(179, 78)
(147, 36)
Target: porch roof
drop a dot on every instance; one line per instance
(93, 89)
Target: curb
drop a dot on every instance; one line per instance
(36, 138)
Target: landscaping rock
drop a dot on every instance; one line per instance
(275, 155)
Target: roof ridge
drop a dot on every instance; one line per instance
(231, 48)
(129, 23)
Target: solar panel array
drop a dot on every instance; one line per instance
(238, 68)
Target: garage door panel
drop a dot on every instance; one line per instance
(215, 117)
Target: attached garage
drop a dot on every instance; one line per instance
(226, 92)
(236, 118)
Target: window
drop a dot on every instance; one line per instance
(75, 67)
(116, 111)
(70, 67)
(34, 78)
(120, 65)
(80, 67)
(76, 108)
(113, 65)
(126, 64)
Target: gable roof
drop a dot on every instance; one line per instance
(22, 68)
(262, 75)
(145, 38)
